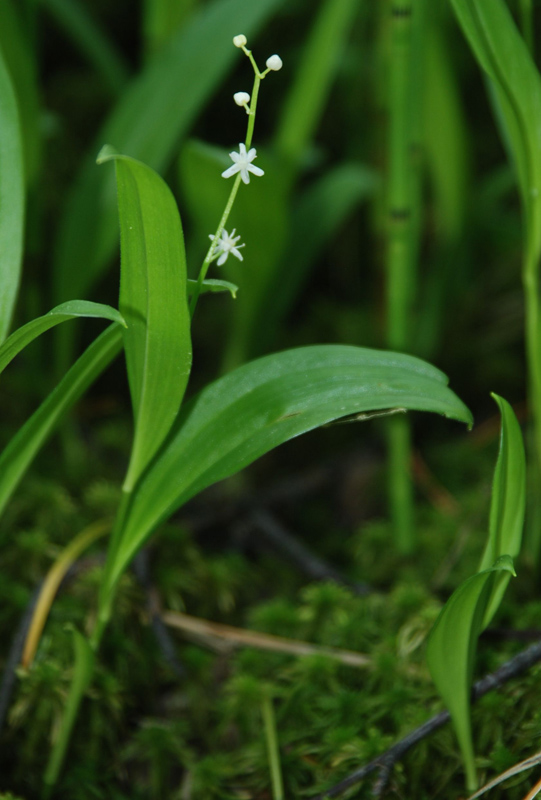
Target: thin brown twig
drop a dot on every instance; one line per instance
(239, 637)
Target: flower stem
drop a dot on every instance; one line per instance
(210, 254)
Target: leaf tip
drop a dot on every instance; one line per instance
(106, 153)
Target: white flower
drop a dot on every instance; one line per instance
(243, 164)
(227, 244)
(241, 98)
(240, 40)
(274, 63)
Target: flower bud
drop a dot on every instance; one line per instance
(240, 40)
(274, 63)
(241, 98)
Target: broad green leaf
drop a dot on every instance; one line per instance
(451, 651)
(264, 403)
(213, 286)
(11, 200)
(81, 27)
(153, 301)
(21, 450)
(21, 64)
(154, 112)
(508, 500)
(20, 338)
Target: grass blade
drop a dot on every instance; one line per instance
(451, 651)
(20, 61)
(23, 336)
(153, 299)
(508, 500)
(21, 450)
(11, 199)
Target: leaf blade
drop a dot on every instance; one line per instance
(153, 300)
(265, 403)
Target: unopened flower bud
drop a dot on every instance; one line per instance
(274, 63)
(240, 40)
(241, 98)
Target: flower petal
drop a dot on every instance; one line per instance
(222, 259)
(228, 173)
(255, 170)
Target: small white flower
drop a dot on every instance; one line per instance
(227, 244)
(241, 98)
(274, 63)
(243, 164)
(240, 40)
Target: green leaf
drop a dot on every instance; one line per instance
(320, 61)
(161, 20)
(451, 651)
(213, 286)
(508, 500)
(11, 200)
(20, 61)
(260, 405)
(82, 675)
(21, 450)
(153, 300)
(503, 55)
(154, 112)
(20, 338)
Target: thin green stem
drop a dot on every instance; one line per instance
(401, 250)
(210, 254)
(273, 751)
(258, 77)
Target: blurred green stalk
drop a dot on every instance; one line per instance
(273, 752)
(526, 23)
(403, 223)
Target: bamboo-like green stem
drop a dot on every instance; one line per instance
(400, 251)
(273, 752)
(532, 288)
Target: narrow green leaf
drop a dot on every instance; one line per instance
(154, 112)
(20, 338)
(11, 200)
(21, 450)
(162, 19)
(20, 61)
(82, 676)
(503, 55)
(508, 500)
(80, 25)
(260, 405)
(451, 651)
(214, 286)
(153, 300)
(320, 60)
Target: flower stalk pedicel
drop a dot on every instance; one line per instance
(241, 168)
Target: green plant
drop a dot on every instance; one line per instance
(453, 640)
